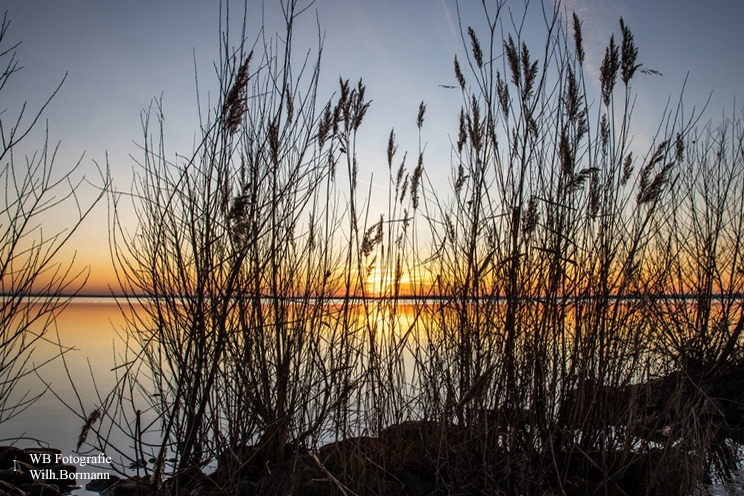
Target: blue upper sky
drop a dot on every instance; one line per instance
(119, 55)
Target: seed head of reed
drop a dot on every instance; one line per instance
(391, 148)
(462, 135)
(629, 54)
(531, 218)
(94, 416)
(512, 57)
(458, 74)
(608, 70)
(420, 116)
(416, 180)
(627, 169)
(325, 125)
(477, 52)
(372, 237)
(529, 72)
(578, 38)
(502, 90)
(650, 191)
(236, 101)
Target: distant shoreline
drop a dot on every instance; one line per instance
(406, 298)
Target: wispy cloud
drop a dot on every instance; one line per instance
(599, 18)
(450, 22)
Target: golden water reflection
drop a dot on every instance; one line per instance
(426, 342)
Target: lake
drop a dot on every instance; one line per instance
(89, 327)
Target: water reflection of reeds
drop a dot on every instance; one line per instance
(592, 382)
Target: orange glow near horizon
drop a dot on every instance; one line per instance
(92, 264)
(91, 272)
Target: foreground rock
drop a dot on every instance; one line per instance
(682, 428)
(33, 472)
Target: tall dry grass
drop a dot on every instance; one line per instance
(551, 351)
(562, 347)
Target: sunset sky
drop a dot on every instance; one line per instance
(119, 55)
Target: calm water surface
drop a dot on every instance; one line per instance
(90, 327)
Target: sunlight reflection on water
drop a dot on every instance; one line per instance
(88, 328)
(91, 329)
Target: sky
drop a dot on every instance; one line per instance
(118, 56)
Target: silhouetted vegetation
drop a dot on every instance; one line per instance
(35, 283)
(577, 320)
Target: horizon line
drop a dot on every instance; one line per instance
(628, 297)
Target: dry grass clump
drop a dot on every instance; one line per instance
(584, 309)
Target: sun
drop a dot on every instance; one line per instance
(381, 283)
(378, 282)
